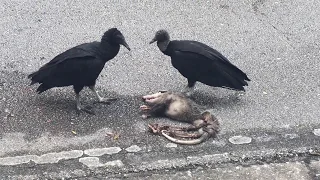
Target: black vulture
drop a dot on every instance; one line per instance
(80, 66)
(199, 62)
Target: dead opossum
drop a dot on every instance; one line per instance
(178, 107)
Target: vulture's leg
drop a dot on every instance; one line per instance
(189, 88)
(101, 99)
(78, 104)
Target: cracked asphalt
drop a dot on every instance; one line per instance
(275, 42)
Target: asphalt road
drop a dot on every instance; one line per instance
(275, 42)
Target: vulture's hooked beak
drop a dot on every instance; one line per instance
(152, 41)
(126, 45)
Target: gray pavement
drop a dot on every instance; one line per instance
(275, 42)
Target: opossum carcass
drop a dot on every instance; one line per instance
(177, 106)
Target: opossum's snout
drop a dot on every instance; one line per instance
(149, 98)
(151, 101)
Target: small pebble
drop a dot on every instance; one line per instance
(265, 138)
(291, 136)
(240, 140)
(171, 145)
(189, 173)
(219, 143)
(316, 132)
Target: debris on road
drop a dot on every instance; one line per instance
(240, 140)
(316, 132)
(114, 136)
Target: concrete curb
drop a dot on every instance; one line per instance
(86, 166)
(227, 150)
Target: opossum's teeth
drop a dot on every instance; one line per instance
(147, 97)
(144, 107)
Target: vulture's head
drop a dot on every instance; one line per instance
(161, 36)
(114, 36)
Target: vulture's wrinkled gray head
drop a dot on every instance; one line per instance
(161, 36)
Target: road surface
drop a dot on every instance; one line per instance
(275, 42)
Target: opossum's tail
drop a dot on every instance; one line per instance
(202, 138)
(211, 128)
